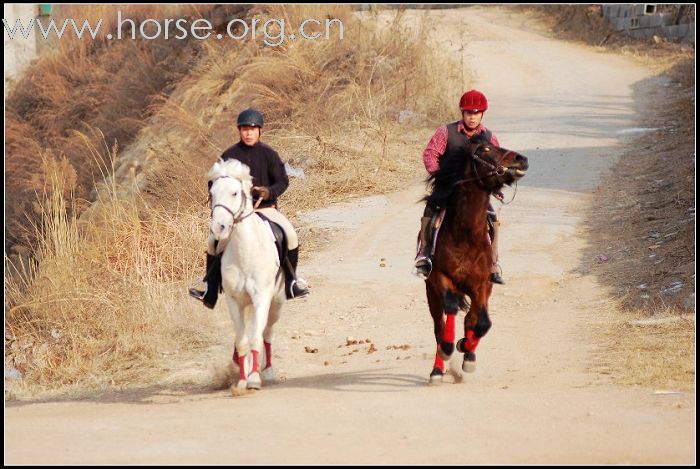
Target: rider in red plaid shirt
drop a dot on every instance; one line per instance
(473, 104)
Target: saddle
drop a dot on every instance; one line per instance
(280, 237)
(436, 224)
(213, 272)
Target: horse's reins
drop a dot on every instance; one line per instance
(238, 216)
(514, 192)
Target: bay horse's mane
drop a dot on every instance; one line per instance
(442, 182)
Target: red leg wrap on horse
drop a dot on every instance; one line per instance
(268, 354)
(470, 341)
(448, 335)
(256, 364)
(241, 364)
(439, 363)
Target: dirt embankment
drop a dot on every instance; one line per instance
(641, 220)
(642, 224)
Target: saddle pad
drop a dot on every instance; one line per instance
(278, 237)
(436, 223)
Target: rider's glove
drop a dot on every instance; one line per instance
(262, 191)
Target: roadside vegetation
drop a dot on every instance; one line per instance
(641, 222)
(108, 145)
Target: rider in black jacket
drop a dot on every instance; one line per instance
(269, 182)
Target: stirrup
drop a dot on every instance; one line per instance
(297, 289)
(199, 291)
(197, 294)
(201, 295)
(422, 268)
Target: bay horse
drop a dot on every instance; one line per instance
(252, 281)
(462, 260)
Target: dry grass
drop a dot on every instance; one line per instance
(102, 295)
(104, 89)
(343, 127)
(656, 351)
(96, 306)
(331, 107)
(644, 224)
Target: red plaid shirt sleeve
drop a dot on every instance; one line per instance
(435, 149)
(494, 141)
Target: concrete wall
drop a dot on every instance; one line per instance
(642, 20)
(19, 51)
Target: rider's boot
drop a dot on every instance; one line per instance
(294, 287)
(210, 294)
(423, 263)
(495, 268)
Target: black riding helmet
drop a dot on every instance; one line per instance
(250, 117)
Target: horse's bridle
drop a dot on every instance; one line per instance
(497, 170)
(238, 216)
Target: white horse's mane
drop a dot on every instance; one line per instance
(231, 168)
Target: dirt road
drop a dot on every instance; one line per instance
(536, 397)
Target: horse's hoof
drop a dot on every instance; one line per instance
(254, 381)
(237, 391)
(469, 363)
(436, 377)
(267, 375)
(468, 367)
(456, 374)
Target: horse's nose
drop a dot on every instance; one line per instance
(217, 229)
(523, 162)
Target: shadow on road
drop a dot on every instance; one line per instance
(381, 380)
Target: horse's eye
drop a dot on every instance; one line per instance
(235, 194)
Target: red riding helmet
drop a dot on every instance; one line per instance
(473, 100)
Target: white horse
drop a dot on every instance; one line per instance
(252, 280)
